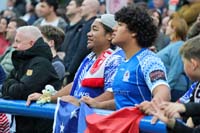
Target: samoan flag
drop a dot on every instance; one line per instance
(65, 117)
(86, 111)
(72, 119)
(91, 120)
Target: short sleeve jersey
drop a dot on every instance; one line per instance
(137, 77)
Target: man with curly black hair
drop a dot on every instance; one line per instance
(142, 75)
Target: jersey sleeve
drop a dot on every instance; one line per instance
(154, 72)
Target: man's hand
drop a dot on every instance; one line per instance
(148, 109)
(71, 100)
(145, 107)
(158, 113)
(90, 101)
(33, 97)
(172, 109)
(190, 123)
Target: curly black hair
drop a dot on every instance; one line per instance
(138, 21)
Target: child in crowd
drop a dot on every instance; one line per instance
(54, 37)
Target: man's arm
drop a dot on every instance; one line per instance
(62, 92)
(109, 104)
(192, 109)
(160, 93)
(107, 95)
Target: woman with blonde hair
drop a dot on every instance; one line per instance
(178, 81)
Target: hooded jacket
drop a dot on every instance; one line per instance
(32, 71)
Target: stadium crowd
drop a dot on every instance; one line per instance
(109, 54)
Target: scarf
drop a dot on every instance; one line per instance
(94, 78)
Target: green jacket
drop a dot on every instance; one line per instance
(6, 61)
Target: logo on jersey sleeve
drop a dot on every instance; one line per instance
(157, 75)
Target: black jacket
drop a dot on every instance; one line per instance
(32, 71)
(72, 39)
(78, 50)
(192, 109)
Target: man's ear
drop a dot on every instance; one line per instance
(195, 64)
(32, 43)
(133, 35)
(109, 36)
(51, 43)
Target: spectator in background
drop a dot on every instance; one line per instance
(195, 28)
(8, 14)
(160, 5)
(113, 6)
(130, 2)
(17, 6)
(38, 10)
(102, 7)
(73, 58)
(72, 35)
(162, 40)
(54, 37)
(47, 11)
(72, 30)
(189, 11)
(4, 44)
(32, 71)
(164, 24)
(30, 17)
(178, 81)
(5, 60)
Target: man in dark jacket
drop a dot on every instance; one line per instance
(77, 50)
(72, 36)
(32, 71)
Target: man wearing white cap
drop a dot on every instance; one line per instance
(95, 74)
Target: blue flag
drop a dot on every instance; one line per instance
(65, 118)
(86, 111)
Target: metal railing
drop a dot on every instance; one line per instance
(18, 107)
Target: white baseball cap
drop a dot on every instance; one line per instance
(108, 20)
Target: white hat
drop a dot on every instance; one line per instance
(108, 20)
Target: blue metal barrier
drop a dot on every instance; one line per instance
(18, 107)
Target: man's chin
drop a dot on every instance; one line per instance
(89, 46)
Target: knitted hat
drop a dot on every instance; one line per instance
(108, 20)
